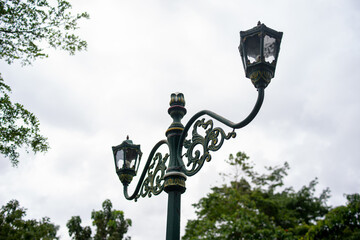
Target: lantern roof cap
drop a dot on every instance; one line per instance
(127, 144)
(261, 27)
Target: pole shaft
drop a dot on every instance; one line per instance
(173, 216)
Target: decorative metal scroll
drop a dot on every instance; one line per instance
(212, 141)
(154, 182)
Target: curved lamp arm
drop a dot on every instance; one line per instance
(243, 123)
(161, 166)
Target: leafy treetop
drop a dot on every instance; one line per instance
(25, 25)
(110, 224)
(342, 222)
(14, 227)
(254, 207)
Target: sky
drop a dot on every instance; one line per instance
(139, 52)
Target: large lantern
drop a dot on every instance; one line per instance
(127, 158)
(259, 49)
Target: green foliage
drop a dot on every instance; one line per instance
(27, 24)
(14, 227)
(342, 222)
(110, 224)
(18, 127)
(252, 206)
(75, 229)
(26, 27)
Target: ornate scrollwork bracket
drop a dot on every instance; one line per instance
(198, 147)
(212, 141)
(158, 171)
(151, 181)
(154, 182)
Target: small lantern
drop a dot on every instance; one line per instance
(127, 158)
(259, 49)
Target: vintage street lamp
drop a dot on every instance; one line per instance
(127, 158)
(259, 49)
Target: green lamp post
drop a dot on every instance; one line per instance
(259, 50)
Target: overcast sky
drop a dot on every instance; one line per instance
(139, 52)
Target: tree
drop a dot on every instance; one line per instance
(13, 226)
(110, 224)
(75, 229)
(342, 222)
(253, 206)
(26, 26)
(18, 127)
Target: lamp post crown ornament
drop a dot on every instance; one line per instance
(177, 111)
(178, 99)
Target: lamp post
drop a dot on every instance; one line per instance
(259, 49)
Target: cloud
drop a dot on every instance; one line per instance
(139, 53)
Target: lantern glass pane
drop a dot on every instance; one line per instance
(252, 48)
(119, 158)
(270, 49)
(131, 155)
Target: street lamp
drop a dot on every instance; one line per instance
(259, 50)
(127, 158)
